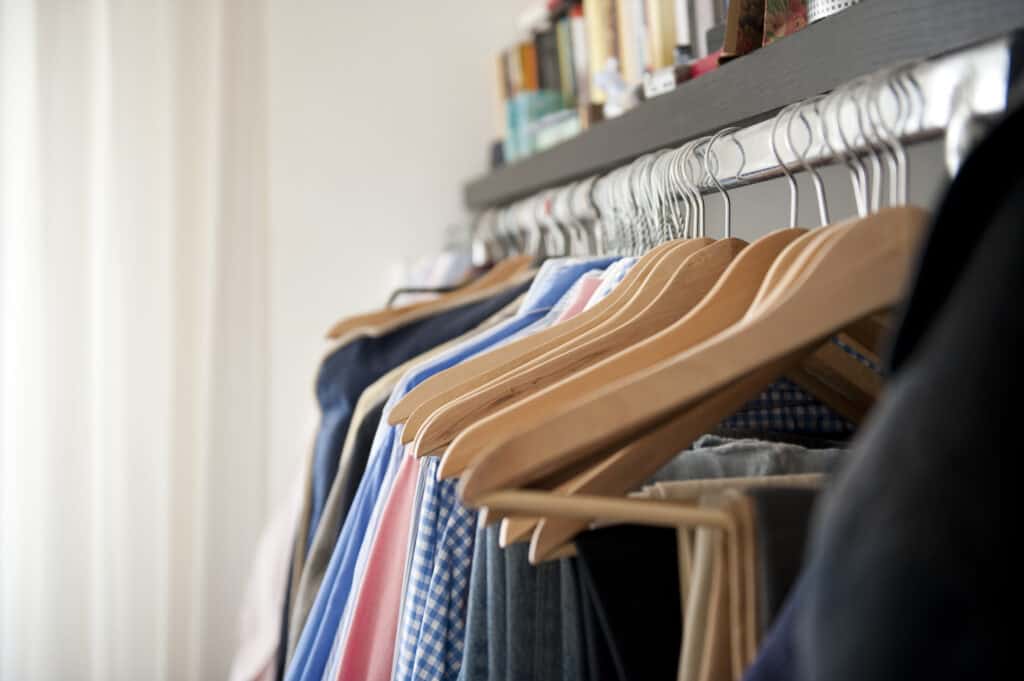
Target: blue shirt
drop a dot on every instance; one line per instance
(316, 641)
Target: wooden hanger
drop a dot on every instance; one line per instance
(859, 273)
(674, 514)
(750, 267)
(499, 360)
(632, 465)
(659, 275)
(715, 663)
(501, 273)
(706, 572)
(641, 459)
(833, 376)
(725, 304)
(682, 292)
(515, 530)
(648, 280)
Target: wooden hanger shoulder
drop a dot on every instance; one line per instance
(478, 370)
(725, 304)
(684, 290)
(500, 274)
(571, 333)
(632, 465)
(860, 273)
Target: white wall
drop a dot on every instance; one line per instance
(378, 112)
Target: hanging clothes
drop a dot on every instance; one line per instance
(921, 598)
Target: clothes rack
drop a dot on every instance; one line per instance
(950, 91)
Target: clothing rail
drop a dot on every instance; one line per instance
(945, 92)
(969, 83)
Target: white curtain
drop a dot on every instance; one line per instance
(132, 350)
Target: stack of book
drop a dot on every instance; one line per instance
(590, 59)
(586, 60)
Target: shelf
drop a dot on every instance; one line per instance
(860, 40)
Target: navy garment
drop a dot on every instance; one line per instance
(776, 656)
(350, 369)
(906, 548)
(631, 573)
(782, 524)
(909, 558)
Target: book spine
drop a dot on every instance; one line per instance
(502, 89)
(528, 67)
(515, 72)
(624, 18)
(704, 18)
(684, 36)
(661, 31)
(546, 47)
(566, 73)
(599, 17)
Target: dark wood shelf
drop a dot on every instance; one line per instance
(860, 40)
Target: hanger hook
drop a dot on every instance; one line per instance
(694, 184)
(801, 156)
(626, 215)
(862, 197)
(843, 153)
(889, 138)
(679, 184)
(726, 201)
(870, 144)
(790, 180)
(669, 187)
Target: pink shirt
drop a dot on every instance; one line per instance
(368, 652)
(586, 286)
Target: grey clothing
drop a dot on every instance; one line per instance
(523, 622)
(713, 456)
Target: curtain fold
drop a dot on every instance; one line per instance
(133, 275)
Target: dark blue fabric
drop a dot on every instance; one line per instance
(776, 658)
(350, 369)
(907, 570)
(907, 558)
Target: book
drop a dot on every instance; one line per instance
(744, 28)
(599, 19)
(515, 72)
(661, 33)
(546, 47)
(566, 72)
(502, 91)
(705, 15)
(684, 36)
(635, 53)
(588, 109)
(529, 77)
(524, 110)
